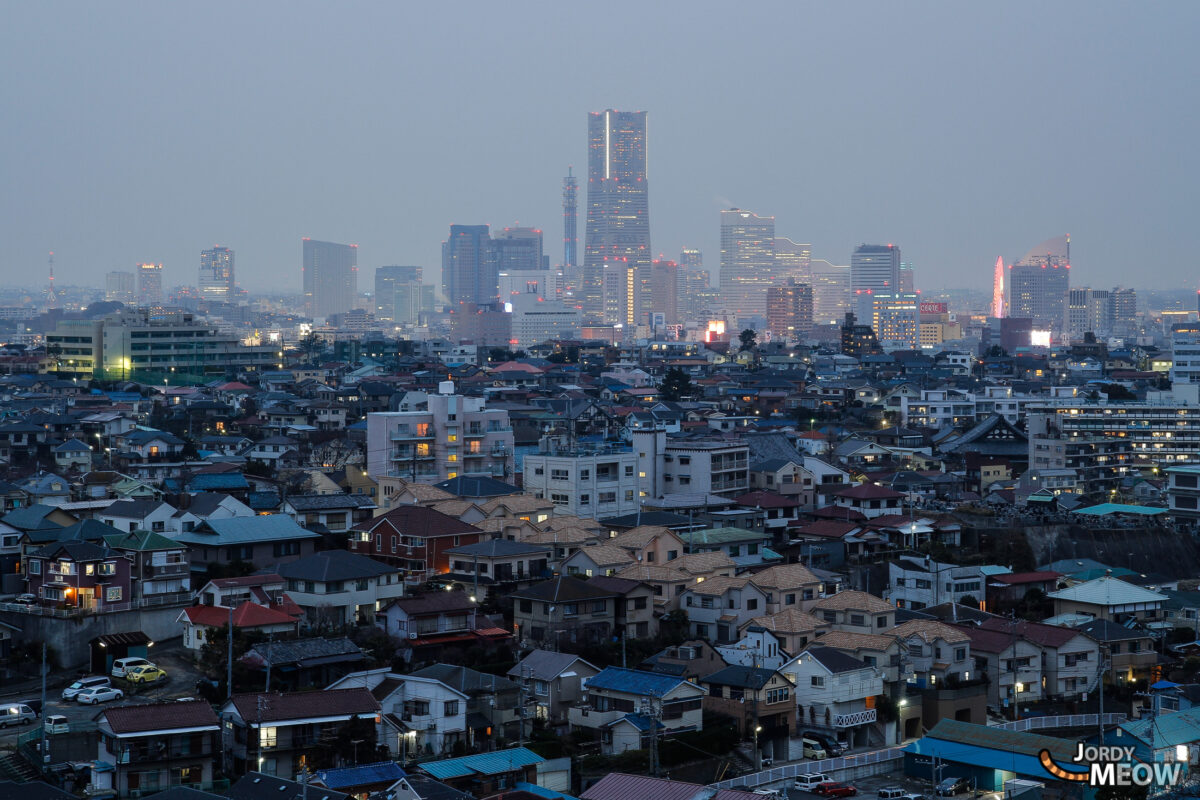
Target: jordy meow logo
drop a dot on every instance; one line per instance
(1114, 766)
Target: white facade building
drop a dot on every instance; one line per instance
(593, 483)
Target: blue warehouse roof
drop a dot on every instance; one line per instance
(495, 763)
(991, 748)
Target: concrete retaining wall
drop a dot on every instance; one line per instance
(69, 637)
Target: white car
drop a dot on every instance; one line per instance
(123, 665)
(99, 694)
(57, 723)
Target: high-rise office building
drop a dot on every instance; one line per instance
(216, 274)
(663, 294)
(398, 294)
(119, 287)
(874, 269)
(1088, 311)
(149, 284)
(570, 221)
(1122, 312)
(747, 261)
(519, 249)
(330, 277)
(617, 236)
(1038, 284)
(790, 311)
(792, 260)
(469, 274)
(906, 283)
(896, 320)
(831, 292)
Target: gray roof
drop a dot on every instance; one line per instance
(133, 508)
(322, 502)
(466, 486)
(495, 548)
(1107, 591)
(835, 660)
(31, 518)
(544, 665)
(333, 565)
(745, 677)
(246, 530)
(466, 680)
(299, 651)
(257, 786)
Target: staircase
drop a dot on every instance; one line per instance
(14, 767)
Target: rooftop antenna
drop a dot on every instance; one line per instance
(51, 297)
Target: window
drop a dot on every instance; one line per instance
(706, 602)
(267, 737)
(585, 499)
(702, 631)
(818, 681)
(960, 654)
(361, 584)
(112, 593)
(869, 660)
(451, 708)
(560, 474)
(639, 603)
(608, 497)
(628, 471)
(1115, 648)
(598, 606)
(881, 622)
(585, 474)
(789, 599)
(570, 609)
(752, 604)
(560, 499)
(35, 566)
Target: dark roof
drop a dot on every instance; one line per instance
(545, 665)
(429, 789)
(361, 775)
(419, 521)
(322, 502)
(122, 639)
(465, 486)
(257, 786)
(1103, 630)
(306, 652)
(185, 793)
(465, 679)
(299, 705)
(333, 565)
(33, 790)
(498, 548)
(614, 585)
(161, 716)
(761, 499)
(745, 677)
(563, 589)
(835, 660)
(31, 518)
(663, 518)
(434, 603)
(134, 507)
(76, 551)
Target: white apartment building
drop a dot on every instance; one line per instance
(1183, 494)
(1164, 429)
(536, 320)
(691, 464)
(588, 482)
(917, 583)
(454, 435)
(1185, 351)
(939, 408)
(833, 690)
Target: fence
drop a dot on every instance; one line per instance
(849, 762)
(153, 601)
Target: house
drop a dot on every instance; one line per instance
(79, 574)
(1109, 598)
(146, 445)
(140, 514)
(758, 647)
(337, 587)
(72, 455)
(719, 607)
(154, 746)
(779, 510)
(691, 660)
(261, 541)
(422, 787)
(304, 663)
(564, 609)
(938, 652)
(834, 692)
(620, 704)
(634, 616)
(414, 538)
(855, 611)
(747, 548)
(360, 780)
(1132, 652)
(554, 681)
(650, 544)
(882, 651)
(158, 565)
(868, 499)
(791, 627)
(201, 623)
(597, 559)
(760, 699)
(498, 563)
(264, 589)
(788, 585)
(422, 717)
(919, 582)
(427, 623)
(335, 512)
(1070, 659)
(275, 730)
(1008, 589)
(1012, 663)
(485, 774)
(493, 706)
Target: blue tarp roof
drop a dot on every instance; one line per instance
(1104, 509)
(494, 763)
(633, 681)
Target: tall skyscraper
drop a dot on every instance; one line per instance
(119, 287)
(398, 294)
(469, 274)
(330, 277)
(663, 296)
(1088, 311)
(747, 261)
(617, 237)
(831, 292)
(896, 319)
(519, 249)
(570, 221)
(1038, 284)
(1122, 311)
(874, 269)
(790, 310)
(792, 260)
(149, 284)
(216, 273)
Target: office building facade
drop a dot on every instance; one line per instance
(519, 249)
(617, 234)
(149, 284)
(570, 221)
(896, 320)
(1039, 282)
(119, 286)
(747, 262)
(330, 277)
(398, 294)
(874, 269)
(216, 274)
(790, 311)
(831, 291)
(469, 274)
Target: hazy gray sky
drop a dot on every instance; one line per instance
(958, 130)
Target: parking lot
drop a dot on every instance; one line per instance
(869, 787)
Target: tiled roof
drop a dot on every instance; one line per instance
(419, 521)
(641, 536)
(246, 580)
(1107, 591)
(1013, 578)
(495, 763)
(718, 585)
(847, 640)
(495, 548)
(562, 589)
(435, 603)
(785, 576)
(323, 502)
(621, 786)
(247, 615)
(161, 716)
(790, 620)
(334, 565)
(300, 705)
(761, 499)
(544, 665)
(606, 555)
(928, 630)
(704, 563)
(854, 600)
(1047, 635)
(655, 572)
(737, 675)
(571, 535)
(361, 775)
(245, 530)
(257, 786)
(634, 681)
(464, 486)
(868, 491)
(834, 660)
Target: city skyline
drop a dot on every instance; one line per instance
(952, 183)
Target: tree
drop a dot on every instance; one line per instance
(969, 600)
(676, 385)
(749, 339)
(313, 346)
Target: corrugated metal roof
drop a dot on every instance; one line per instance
(239, 530)
(1179, 727)
(620, 786)
(494, 763)
(361, 775)
(633, 681)
(1107, 591)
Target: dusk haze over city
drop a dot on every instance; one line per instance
(636, 401)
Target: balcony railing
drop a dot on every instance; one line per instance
(398, 436)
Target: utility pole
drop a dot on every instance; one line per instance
(651, 713)
(270, 641)
(1016, 666)
(229, 660)
(45, 739)
(1100, 689)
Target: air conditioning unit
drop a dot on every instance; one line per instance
(412, 634)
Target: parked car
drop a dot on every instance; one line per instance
(890, 793)
(809, 781)
(16, 714)
(832, 789)
(123, 665)
(832, 747)
(25, 599)
(145, 673)
(913, 796)
(951, 786)
(57, 723)
(36, 705)
(99, 694)
(814, 750)
(83, 684)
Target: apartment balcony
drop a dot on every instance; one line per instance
(409, 455)
(474, 434)
(166, 570)
(397, 436)
(586, 716)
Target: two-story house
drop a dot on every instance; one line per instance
(336, 512)
(788, 585)
(262, 541)
(426, 623)
(1132, 652)
(938, 652)
(834, 692)
(275, 731)
(791, 627)
(855, 611)
(919, 582)
(622, 705)
(494, 703)
(413, 537)
(760, 699)
(158, 566)
(1109, 598)
(633, 606)
(1070, 659)
(141, 514)
(554, 681)
(718, 607)
(1012, 664)
(77, 574)
(422, 718)
(337, 587)
(486, 775)
(564, 609)
(156, 746)
(498, 563)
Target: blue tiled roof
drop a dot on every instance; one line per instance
(361, 775)
(633, 681)
(245, 530)
(639, 721)
(494, 763)
(212, 481)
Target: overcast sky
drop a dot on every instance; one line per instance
(959, 131)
